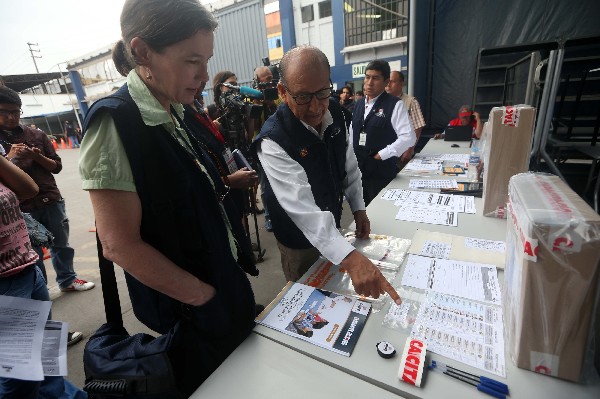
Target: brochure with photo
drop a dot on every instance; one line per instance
(329, 320)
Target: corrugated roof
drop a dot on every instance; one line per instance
(26, 81)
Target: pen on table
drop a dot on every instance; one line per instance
(484, 384)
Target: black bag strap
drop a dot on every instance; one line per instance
(112, 304)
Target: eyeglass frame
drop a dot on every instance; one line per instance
(14, 113)
(310, 94)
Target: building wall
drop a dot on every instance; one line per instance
(328, 33)
(240, 42)
(317, 32)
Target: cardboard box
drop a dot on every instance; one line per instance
(551, 275)
(508, 139)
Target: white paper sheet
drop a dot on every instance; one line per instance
(475, 281)
(486, 245)
(54, 348)
(474, 252)
(417, 271)
(463, 330)
(456, 202)
(423, 165)
(22, 324)
(427, 214)
(436, 249)
(432, 183)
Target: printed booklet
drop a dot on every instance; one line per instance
(331, 321)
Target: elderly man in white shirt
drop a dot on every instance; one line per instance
(310, 167)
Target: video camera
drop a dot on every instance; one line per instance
(238, 105)
(269, 89)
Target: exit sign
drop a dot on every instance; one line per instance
(358, 70)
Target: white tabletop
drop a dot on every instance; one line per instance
(261, 368)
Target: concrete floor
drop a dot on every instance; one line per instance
(84, 311)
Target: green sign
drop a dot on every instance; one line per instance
(358, 70)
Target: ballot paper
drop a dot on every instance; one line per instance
(442, 215)
(463, 330)
(22, 324)
(432, 183)
(470, 280)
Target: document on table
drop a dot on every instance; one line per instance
(442, 215)
(476, 281)
(419, 165)
(486, 245)
(54, 348)
(463, 330)
(22, 324)
(432, 183)
(469, 249)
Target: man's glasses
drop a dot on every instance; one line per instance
(6, 113)
(305, 98)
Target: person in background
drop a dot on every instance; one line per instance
(162, 211)
(32, 151)
(380, 131)
(466, 117)
(263, 75)
(347, 98)
(358, 95)
(20, 277)
(310, 167)
(395, 87)
(71, 134)
(220, 154)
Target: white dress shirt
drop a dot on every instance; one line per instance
(292, 189)
(402, 127)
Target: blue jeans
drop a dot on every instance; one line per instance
(31, 284)
(74, 141)
(54, 218)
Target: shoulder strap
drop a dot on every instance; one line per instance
(112, 304)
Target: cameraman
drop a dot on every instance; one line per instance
(236, 131)
(263, 81)
(233, 127)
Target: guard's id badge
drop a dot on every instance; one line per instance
(229, 160)
(362, 139)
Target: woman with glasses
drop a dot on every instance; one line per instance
(310, 167)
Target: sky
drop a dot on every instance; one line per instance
(63, 30)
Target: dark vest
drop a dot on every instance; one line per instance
(380, 133)
(324, 162)
(181, 218)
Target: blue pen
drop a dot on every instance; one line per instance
(482, 383)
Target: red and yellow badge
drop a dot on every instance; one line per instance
(304, 152)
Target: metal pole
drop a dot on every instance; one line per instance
(412, 28)
(550, 111)
(69, 96)
(539, 127)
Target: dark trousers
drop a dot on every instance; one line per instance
(372, 186)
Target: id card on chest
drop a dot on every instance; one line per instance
(229, 160)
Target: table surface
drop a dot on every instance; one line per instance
(261, 368)
(364, 362)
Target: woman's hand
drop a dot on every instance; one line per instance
(243, 178)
